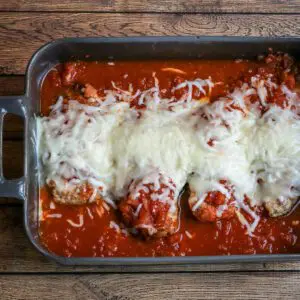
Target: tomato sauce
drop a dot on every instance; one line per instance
(102, 233)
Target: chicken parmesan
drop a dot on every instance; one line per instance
(170, 158)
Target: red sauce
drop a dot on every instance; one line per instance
(139, 74)
(98, 236)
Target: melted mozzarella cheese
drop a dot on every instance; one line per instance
(111, 144)
(156, 141)
(275, 154)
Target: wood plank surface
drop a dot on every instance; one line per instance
(23, 33)
(207, 6)
(13, 158)
(26, 25)
(18, 255)
(13, 125)
(281, 285)
(12, 85)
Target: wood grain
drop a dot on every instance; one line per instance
(22, 34)
(12, 85)
(13, 125)
(207, 6)
(18, 255)
(153, 286)
(13, 158)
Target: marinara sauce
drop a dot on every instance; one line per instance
(102, 234)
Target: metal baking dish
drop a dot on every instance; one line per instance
(27, 106)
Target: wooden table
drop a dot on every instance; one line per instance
(25, 26)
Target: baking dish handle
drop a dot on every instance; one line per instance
(10, 188)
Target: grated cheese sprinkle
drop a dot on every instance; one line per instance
(74, 224)
(172, 137)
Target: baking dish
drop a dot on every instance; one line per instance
(27, 106)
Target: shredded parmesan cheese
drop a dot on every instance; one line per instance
(105, 206)
(136, 213)
(188, 234)
(55, 216)
(90, 213)
(115, 226)
(74, 224)
(174, 70)
(52, 205)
